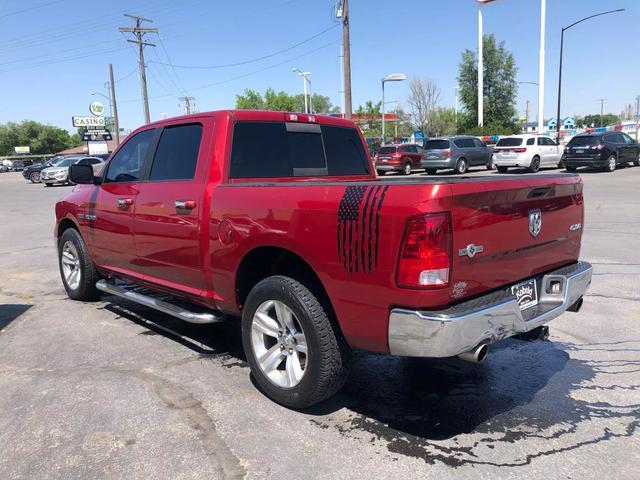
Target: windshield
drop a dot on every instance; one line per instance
(583, 141)
(56, 161)
(509, 142)
(65, 162)
(437, 145)
(384, 150)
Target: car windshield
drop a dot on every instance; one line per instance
(384, 150)
(509, 142)
(584, 141)
(437, 145)
(65, 162)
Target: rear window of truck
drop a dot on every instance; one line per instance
(509, 142)
(584, 141)
(279, 149)
(436, 145)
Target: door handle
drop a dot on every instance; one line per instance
(125, 202)
(185, 205)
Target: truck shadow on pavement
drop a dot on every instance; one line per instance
(528, 400)
(9, 312)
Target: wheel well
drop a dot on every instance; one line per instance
(65, 225)
(264, 262)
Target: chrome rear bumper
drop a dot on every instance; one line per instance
(485, 319)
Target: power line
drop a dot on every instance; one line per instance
(202, 87)
(253, 60)
(166, 53)
(35, 7)
(127, 75)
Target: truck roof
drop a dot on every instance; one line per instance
(262, 116)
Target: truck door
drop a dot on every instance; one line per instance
(169, 210)
(111, 211)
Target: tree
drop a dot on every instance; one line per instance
(443, 122)
(423, 98)
(41, 139)
(596, 121)
(282, 101)
(500, 88)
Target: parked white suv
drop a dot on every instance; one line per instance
(528, 151)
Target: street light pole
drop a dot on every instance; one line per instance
(480, 70)
(560, 68)
(392, 77)
(305, 79)
(543, 17)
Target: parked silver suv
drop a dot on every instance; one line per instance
(457, 153)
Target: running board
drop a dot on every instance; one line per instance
(157, 304)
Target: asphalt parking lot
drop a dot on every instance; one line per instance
(104, 390)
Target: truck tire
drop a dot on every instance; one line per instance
(295, 355)
(73, 256)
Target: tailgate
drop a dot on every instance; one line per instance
(507, 230)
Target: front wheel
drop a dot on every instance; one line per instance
(295, 355)
(502, 169)
(35, 177)
(636, 162)
(406, 170)
(79, 274)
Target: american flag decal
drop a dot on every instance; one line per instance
(359, 227)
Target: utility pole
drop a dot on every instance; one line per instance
(114, 108)
(543, 19)
(526, 114)
(186, 104)
(480, 70)
(602, 100)
(139, 32)
(637, 114)
(347, 59)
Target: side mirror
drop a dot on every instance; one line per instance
(82, 174)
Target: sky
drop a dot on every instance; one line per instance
(55, 53)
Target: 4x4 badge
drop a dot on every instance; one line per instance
(535, 222)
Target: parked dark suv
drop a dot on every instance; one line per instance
(605, 150)
(400, 158)
(32, 172)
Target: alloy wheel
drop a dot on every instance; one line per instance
(35, 177)
(407, 169)
(71, 265)
(279, 344)
(612, 163)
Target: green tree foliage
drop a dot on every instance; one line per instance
(443, 122)
(41, 139)
(596, 121)
(282, 101)
(500, 89)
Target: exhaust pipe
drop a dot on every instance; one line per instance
(476, 355)
(576, 306)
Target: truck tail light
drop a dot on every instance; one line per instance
(519, 150)
(425, 257)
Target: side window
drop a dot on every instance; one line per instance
(177, 153)
(419, 149)
(412, 149)
(531, 141)
(551, 142)
(626, 138)
(125, 166)
(468, 143)
(478, 143)
(459, 143)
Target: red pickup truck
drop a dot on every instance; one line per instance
(279, 218)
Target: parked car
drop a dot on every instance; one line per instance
(3, 168)
(17, 165)
(59, 173)
(399, 158)
(529, 151)
(279, 218)
(32, 172)
(603, 150)
(457, 153)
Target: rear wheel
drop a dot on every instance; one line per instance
(295, 355)
(490, 165)
(406, 170)
(79, 274)
(461, 166)
(535, 164)
(636, 162)
(611, 163)
(502, 169)
(35, 177)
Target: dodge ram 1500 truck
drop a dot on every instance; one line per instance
(279, 218)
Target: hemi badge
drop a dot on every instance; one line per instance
(470, 250)
(575, 226)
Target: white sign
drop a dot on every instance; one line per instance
(22, 150)
(96, 108)
(88, 121)
(97, 148)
